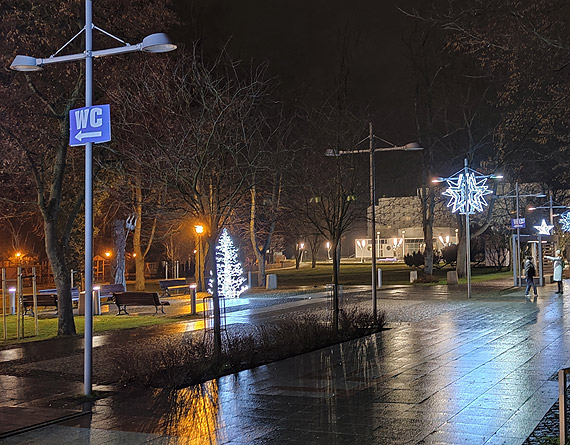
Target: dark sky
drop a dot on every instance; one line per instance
(302, 41)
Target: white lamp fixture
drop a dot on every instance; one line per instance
(157, 43)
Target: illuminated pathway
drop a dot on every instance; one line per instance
(449, 370)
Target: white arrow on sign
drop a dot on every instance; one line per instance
(91, 134)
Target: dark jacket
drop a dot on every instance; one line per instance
(529, 269)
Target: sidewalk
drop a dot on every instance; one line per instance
(449, 370)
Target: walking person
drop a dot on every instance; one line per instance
(558, 266)
(530, 272)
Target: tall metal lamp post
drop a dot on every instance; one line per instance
(154, 43)
(467, 191)
(199, 281)
(413, 146)
(518, 224)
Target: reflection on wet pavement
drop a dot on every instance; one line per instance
(477, 371)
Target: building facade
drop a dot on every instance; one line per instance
(399, 229)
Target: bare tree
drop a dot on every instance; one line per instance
(205, 150)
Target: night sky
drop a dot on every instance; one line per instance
(302, 40)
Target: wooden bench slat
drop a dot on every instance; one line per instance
(43, 299)
(124, 299)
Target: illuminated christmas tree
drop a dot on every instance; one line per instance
(230, 273)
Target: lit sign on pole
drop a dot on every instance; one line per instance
(89, 124)
(518, 223)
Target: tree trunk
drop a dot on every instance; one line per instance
(336, 262)
(211, 242)
(261, 268)
(120, 246)
(61, 276)
(139, 256)
(428, 231)
(461, 252)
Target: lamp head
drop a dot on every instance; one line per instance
(25, 63)
(413, 146)
(157, 43)
(332, 153)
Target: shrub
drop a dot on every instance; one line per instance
(174, 364)
(449, 254)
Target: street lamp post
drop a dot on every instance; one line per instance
(155, 43)
(515, 194)
(199, 230)
(467, 190)
(371, 150)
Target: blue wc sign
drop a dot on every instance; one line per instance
(89, 124)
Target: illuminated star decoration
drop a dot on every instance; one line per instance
(467, 193)
(565, 221)
(544, 229)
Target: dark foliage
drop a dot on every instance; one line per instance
(415, 259)
(449, 254)
(175, 364)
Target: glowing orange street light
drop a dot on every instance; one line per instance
(199, 230)
(108, 254)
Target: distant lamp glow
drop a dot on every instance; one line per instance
(18, 254)
(199, 228)
(134, 254)
(108, 254)
(565, 221)
(544, 229)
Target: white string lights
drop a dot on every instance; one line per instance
(467, 192)
(565, 221)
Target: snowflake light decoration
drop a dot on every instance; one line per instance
(544, 229)
(565, 221)
(467, 193)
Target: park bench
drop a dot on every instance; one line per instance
(74, 293)
(43, 299)
(167, 285)
(46, 298)
(106, 291)
(124, 299)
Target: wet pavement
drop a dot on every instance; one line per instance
(448, 370)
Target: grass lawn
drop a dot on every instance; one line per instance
(287, 279)
(101, 323)
(357, 273)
